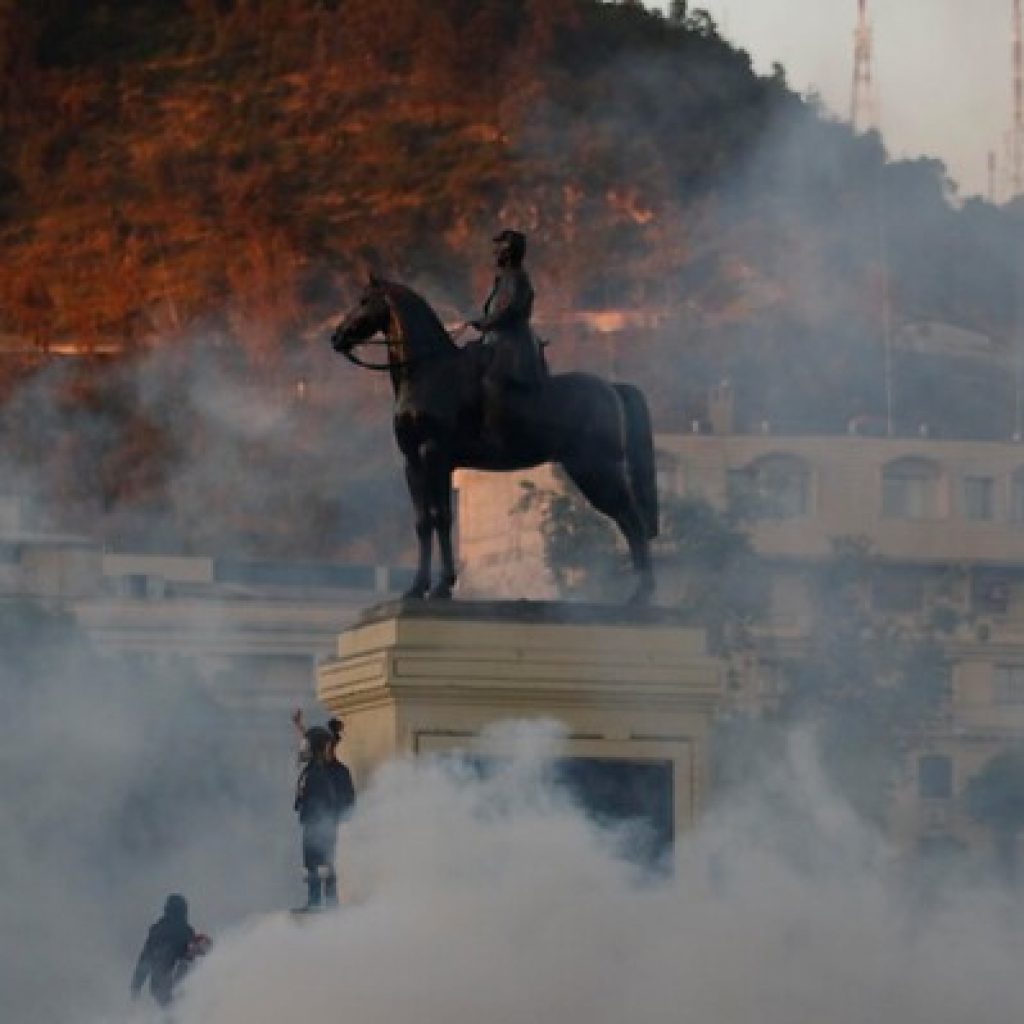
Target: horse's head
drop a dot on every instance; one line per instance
(370, 316)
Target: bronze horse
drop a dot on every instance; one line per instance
(599, 432)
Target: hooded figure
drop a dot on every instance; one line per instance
(169, 947)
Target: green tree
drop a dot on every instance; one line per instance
(995, 799)
(580, 547)
(871, 684)
(705, 553)
(721, 578)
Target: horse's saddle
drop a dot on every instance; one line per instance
(515, 359)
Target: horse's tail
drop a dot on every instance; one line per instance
(640, 454)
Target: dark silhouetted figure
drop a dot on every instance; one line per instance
(512, 361)
(335, 727)
(599, 432)
(171, 945)
(323, 796)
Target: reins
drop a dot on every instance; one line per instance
(350, 355)
(406, 364)
(390, 365)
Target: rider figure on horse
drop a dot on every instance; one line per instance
(513, 364)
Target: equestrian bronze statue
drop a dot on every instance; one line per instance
(450, 413)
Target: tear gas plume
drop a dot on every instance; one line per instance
(495, 898)
(122, 780)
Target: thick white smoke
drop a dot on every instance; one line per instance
(120, 783)
(494, 899)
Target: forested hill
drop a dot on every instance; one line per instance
(176, 171)
(167, 161)
(172, 160)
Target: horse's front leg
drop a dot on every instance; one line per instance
(437, 473)
(414, 477)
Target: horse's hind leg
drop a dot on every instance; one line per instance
(640, 551)
(607, 488)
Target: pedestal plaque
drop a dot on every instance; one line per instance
(634, 686)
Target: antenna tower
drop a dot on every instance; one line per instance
(862, 99)
(1017, 125)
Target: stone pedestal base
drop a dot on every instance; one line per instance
(628, 685)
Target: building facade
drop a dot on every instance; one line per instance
(943, 520)
(253, 629)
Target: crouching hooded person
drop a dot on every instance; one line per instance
(324, 794)
(171, 946)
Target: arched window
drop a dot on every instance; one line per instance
(781, 486)
(910, 489)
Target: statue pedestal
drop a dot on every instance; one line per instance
(632, 687)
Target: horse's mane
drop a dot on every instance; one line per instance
(420, 324)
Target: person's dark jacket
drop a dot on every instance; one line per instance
(344, 791)
(324, 793)
(314, 796)
(167, 945)
(505, 325)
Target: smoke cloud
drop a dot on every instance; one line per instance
(496, 897)
(186, 449)
(467, 898)
(122, 780)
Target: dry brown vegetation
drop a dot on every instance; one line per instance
(228, 168)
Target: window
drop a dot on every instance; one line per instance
(910, 490)
(979, 494)
(781, 486)
(1008, 684)
(935, 777)
(990, 593)
(771, 678)
(134, 584)
(1017, 497)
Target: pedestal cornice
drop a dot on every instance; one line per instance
(521, 654)
(630, 685)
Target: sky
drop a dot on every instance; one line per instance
(941, 67)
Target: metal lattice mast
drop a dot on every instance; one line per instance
(1017, 124)
(864, 117)
(862, 98)
(1016, 188)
